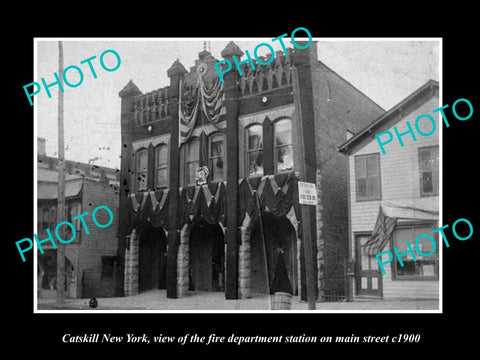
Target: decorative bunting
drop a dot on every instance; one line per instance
(208, 202)
(211, 102)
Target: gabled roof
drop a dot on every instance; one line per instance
(391, 117)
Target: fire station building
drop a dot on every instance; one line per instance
(209, 177)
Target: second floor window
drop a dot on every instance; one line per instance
(367, 177)
(217, 157)
(161, 166)
(141, 171)
(254, 158)
(429, 172)
(46, 219)
(192, 160)
(283, 146)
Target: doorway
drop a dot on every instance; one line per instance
(152, 259)
(368, 275)
(207, 257)
(280, 237)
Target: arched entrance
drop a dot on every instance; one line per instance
(280, 237)
(206, 257)
(152, 259)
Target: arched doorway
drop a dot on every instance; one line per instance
(280, 236)
(152, 259)
(206, 257)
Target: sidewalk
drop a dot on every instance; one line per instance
(157, 300)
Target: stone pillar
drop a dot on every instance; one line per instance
(183, 262)
(294, 221)
(244, 267)
(131, 265)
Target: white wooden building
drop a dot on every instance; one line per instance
(397, 194)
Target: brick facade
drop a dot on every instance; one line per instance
(101, 242)
(331, 106)
(91, 257)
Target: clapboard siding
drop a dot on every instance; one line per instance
(400, 181)
(420, 289)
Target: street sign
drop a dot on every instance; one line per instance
(307, 193)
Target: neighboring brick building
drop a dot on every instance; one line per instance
(394, 198)
(91, 258)
(248, 133)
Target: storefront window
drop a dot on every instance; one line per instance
(424, 267)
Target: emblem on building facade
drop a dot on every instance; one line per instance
(201, 175)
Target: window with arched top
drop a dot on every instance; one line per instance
(192, 160)
(254, 150)
(283, 146)
(141, 169)
(161, 166)
(216, 157)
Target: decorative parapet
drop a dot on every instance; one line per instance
(277, 73)
(151, 106)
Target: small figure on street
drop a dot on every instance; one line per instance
(93, 303)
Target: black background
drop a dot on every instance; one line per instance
(43, 332)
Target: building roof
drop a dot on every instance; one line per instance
(391, 117)
(75, 174)
(47, 184)
(129, 90)
(349, 85)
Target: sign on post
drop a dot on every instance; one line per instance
(307, 193)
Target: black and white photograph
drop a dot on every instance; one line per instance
(204, 174)
(214, 191)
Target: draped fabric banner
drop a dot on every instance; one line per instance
(186, 122)
(208, 202)
(212, 106)
(149, 208)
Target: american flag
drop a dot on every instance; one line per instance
(381, 234)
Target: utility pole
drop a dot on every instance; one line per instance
(305, 210)
(61, 184)
(262, 236)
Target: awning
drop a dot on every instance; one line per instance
(48, 191)
(47, 184)
(408, 211)
(388, 216)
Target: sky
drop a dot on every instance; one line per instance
(386, 70)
